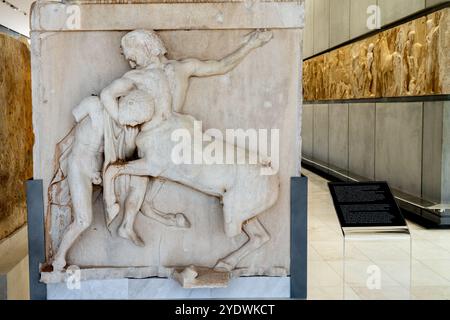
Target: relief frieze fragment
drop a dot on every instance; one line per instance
(408, 60)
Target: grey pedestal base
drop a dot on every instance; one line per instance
(156, 288)
(251, 287)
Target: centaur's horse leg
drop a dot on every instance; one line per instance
(256, 233)
(133, 202)
(241, 211)
(257, 236)
(149, 210)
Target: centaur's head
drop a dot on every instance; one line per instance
(142, 47)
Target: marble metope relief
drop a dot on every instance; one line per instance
(409, 60)
(16, 134)
(121, 151)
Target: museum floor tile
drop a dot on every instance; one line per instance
(428, 276)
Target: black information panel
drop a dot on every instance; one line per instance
(365, 204)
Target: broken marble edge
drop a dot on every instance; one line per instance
(103, 273)
(57, 16)
(201, 278)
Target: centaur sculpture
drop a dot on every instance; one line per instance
(142, 108)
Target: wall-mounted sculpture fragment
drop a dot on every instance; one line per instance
(408, 60)
(207, 222)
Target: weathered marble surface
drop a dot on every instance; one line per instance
(48, 16)
(16, 136)
(242, 288)
(409, 60)
(88, 60)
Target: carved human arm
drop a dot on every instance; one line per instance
(199, 68)
(80, 112)
(111, 93)
(88, 107)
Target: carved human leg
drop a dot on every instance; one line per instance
(80, 186)
(133, 168)
(257, 237)
(133, 203)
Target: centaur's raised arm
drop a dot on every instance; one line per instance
(199, 68)
(111, 93)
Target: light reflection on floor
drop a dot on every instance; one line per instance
(430, 262)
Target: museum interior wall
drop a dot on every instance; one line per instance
(366, 117)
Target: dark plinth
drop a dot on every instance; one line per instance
(36, 244)
(299, 237)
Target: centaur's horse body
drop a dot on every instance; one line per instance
(242, 189)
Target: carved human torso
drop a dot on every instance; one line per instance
(178, 82)
(86, 157)
(167, 83)
(89, 129)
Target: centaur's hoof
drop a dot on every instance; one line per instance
(58, 264)
(223, 266)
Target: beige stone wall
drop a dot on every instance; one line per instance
(16, 137)
(408, 60)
